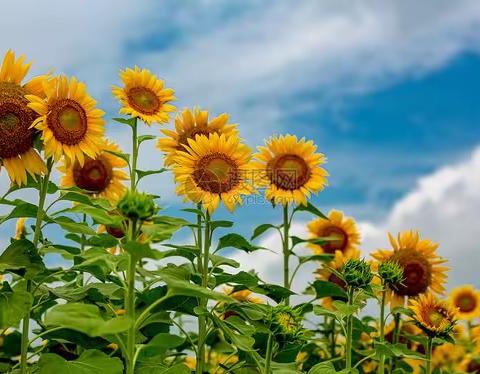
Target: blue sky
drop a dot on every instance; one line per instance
(388, 91)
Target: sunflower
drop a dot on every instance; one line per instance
(243, 296)
(144, 96)
(448, 356)
(189, 124)
(213, 169)
(100, 176)
(71, 124)
(435, 317)
(328, 271)
(290, 169)
(20, 229)
(467, 300)
(17, 153)
(342, 228)
(422, 266)
(469, 364)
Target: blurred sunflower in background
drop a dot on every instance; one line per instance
(100, 176)
(243, 295)
(189, 124)
(17, 152)
(469, 364)
(435, 317)
(144, 96)
(213, 169)
(467, 301)
(70, 123)
(289, 169)
(422, 266)
(343, 229)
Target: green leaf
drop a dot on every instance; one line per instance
(259, 230)
(14, 305)
(152, 366)
(70, 225)
(325, 288)
(163, 228)
(220, 260)
(76, 197)
(85, 318)
(144, 138)
(217, 224)
(141, 250)
(98, 214)
(126, 121)
(321, 258)
(344, 309)
(236, 241)
(144, 173)
(166, 341)
(90, 362)
(124, 156)
(22, 209)
(311, 209)
(97, 261)
(21, 256)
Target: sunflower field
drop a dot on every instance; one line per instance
(135, 299)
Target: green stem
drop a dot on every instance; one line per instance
(133, 169)
(381, 365)
(428, 369)
(286, 252)
(268, 355)
(333, 342)
(202, 321)
(130, 303)
(42, 195)
(82, 248)
(396, 336)
(348, 347)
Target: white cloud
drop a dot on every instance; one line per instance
(444, 206)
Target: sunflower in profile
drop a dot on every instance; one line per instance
(290, 169)
(189, 124)
(101, 176)
(144, 96)
(213, 169)
(422, 266)
(328, 271)
(17, 153)
(343, 230)
(435, 317)
(71, 124)
(466, 300)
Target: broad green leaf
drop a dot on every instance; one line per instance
(236, 241)
(144, 173)
(98, 214)
(70, 225)
(243, 278)
(311, 209)
(97, 261)
(141, 250)
(325, 288)
(220, 260)
(85, 318)
(14, 305)
(75, 293)
(90, 362)
(166, 341)
(344, 309)
(217, 224)
(22, 209)
(321, 258)
(153, 366)
(20, 257)
(143, 138)
(259, 230)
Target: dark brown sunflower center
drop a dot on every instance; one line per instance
(288, 172)
(94, 176)
(339, 239)
(473, 367)
(466, 302)
(143, 100)
(16, 117)
(216, 173)
(116, 232)
(68, 121)
(417, 272)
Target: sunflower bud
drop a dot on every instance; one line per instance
(287, 321)
(357, 273)
(137, 206)
(391, 273)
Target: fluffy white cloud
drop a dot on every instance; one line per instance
(444, 206)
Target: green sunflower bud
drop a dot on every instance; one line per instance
(391, 273)
(137, 206)
(286, 321)
(357, 273)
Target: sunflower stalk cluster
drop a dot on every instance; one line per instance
(133, 280)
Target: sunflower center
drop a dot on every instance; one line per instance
(417, 272)
(289, 172)
(94, 176)
(473, 367)
(338, 242)
(216, 173)
(287, 322)
(68, 121)
(143, 100)
(466, 303)
(16, 137)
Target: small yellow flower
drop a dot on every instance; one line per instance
(144, 96)
(466, 299)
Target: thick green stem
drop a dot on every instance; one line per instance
(381, 365)
(133, 168)
(348, 347)
(396, 336)
(202, 321)
(428, 369)
(42, 195)
(268, 355)
(130, 303)
(333, 342)
(286, 251)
